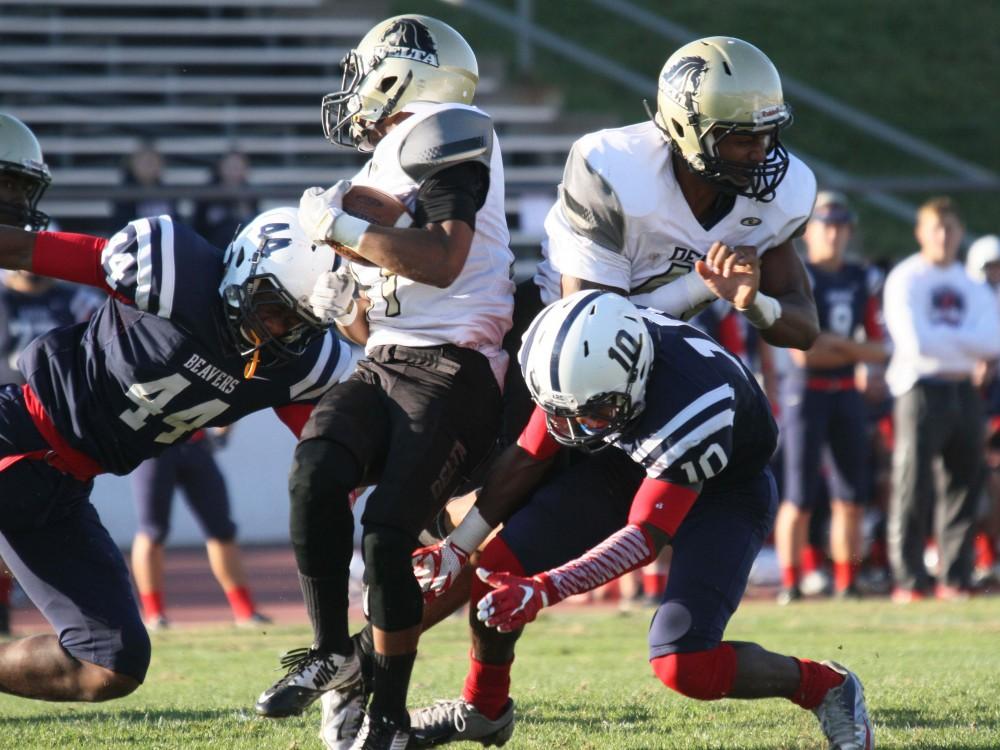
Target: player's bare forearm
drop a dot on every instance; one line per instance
(17, 247)
(433, 255)
(357, 331)
(783, 276)
(510, 479)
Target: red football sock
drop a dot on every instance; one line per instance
(844, 574)
(487, 687)
(789, 576)
(240, 602)
(6, 583)
(986, 551)
(152, 604)
(812, 558)
(815, 680)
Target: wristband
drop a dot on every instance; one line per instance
(347, 230)
(471, 532)
(763, 312)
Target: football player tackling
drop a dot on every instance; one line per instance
(188, 337)
(679, 435)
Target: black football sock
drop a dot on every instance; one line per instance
(391, 682)
(326, 602)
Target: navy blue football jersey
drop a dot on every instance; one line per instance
(154, 363)
(842, 299)
(706, 419)
(25, 316)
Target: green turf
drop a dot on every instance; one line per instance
(581, 681)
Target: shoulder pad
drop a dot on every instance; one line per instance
(446, 138)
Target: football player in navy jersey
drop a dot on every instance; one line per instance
(829, 410)
(423, 409)
(679, 435)
(189, 337)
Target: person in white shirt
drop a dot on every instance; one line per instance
(941, 324)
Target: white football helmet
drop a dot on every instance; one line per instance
(981, 252)
(586, 359)
(403, 59)
(21, 160)
(713, 87)
(272, 262)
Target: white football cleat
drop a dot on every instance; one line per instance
(843, 714)
(343, 713)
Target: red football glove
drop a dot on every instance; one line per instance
(437, 566)
(515, 601)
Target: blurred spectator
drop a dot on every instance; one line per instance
(191, 466)
(983, 264)
(941, 323)
(218, 219)
(143, 171)
(830, 412)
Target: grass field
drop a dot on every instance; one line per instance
(581, 681)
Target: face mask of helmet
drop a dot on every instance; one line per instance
(262, 299)
(588, 426)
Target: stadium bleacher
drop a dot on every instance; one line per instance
(97, 78)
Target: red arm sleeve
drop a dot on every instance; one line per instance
(661, 504)
(873, 319)
(535, 438)
(294, 416)
(71, 257)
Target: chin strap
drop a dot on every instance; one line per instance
(251, 366)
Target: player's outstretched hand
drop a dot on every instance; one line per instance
(332, 297)
(732, 273)
(319, 208)
(515, 600)
(437, 566)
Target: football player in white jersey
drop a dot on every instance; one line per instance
(424, 408)
(699, 203)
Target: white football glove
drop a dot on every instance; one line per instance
(437, 566)
(319, 208)
(332, 298)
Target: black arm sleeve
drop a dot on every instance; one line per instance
(457, 192)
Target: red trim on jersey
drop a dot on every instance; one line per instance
(821, 383)
(63, 457)
(294, 416)
(71, 257)
(873, 320)
(661, 504)
(535, 438)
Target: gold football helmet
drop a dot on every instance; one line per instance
(403, 59)
(715, 86)
(21, 162)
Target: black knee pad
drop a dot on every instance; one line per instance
(394, 598)
(320, 522)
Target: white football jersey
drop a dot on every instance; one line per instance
(622, 220)
(475, 311)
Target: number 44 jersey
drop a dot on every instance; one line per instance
(706, 418)
(155, 363)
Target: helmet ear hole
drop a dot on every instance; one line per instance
(387, 83)
(678, 128)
